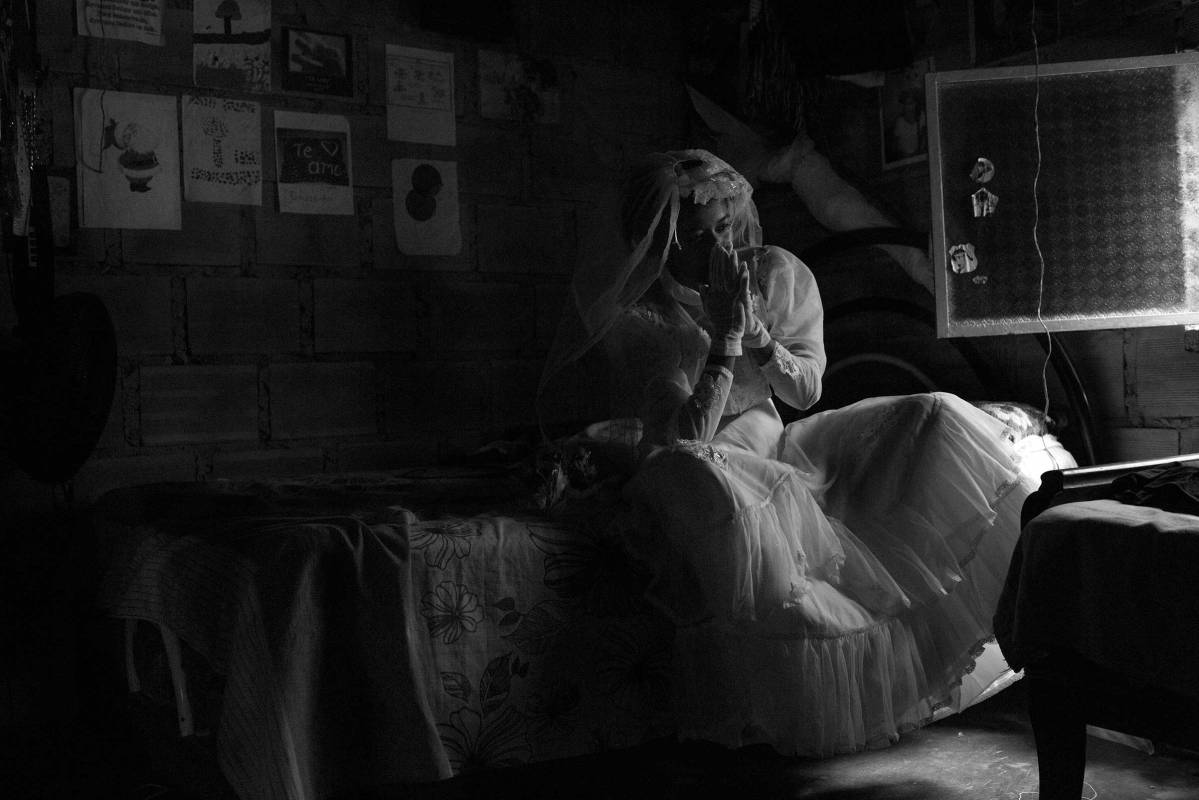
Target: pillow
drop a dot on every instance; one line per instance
(1020, 418)
(1036, 455)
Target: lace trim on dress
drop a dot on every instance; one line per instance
(709, 392)
(705, 451)
(784, 361)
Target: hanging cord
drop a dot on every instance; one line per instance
(1036, 219)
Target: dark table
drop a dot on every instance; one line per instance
(1101, 610)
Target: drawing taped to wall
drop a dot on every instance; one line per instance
(312, 153)
(320, 63)
(420, 95)
(127, 159)
(222, 151)
(425, 200)
(231, 44)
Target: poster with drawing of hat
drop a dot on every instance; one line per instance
(425, 199)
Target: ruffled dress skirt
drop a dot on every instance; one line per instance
(832, 582)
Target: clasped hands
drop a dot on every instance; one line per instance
(729, 304)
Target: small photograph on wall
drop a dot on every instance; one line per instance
(313, 155)
(231, 44)
(320, 63)
(425, 199)
(127, 159)
(904, 125)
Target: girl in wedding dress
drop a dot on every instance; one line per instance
(833, 580)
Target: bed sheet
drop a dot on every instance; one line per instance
(390, 628)
(369, 637)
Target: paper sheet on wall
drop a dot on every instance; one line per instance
(231, 44)
(420, 95)
(135, 20)
(518, 88)
(222, 151)
(312, 154)
(127, 160)
(425, 199)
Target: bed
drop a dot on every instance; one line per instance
(443, 639)
(339, 632)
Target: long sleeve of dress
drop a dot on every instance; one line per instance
(672, 413)
(794, 316)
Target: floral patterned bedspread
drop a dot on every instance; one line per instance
(391, 628)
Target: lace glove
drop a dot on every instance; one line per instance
(726, 300)
(756, 336)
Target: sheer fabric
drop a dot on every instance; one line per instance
(658, 350)
(831, 581)
(613, 275)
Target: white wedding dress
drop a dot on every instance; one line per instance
(833, 581)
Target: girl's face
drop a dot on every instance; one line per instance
(700, 228)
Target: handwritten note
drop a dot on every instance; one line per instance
(134, 20)
(313, 161)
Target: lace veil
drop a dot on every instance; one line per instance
(609, 279)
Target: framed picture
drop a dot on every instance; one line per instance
(316, 62)
(902, 119)
(1120, 255)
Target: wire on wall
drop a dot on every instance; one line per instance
(1036, 218)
